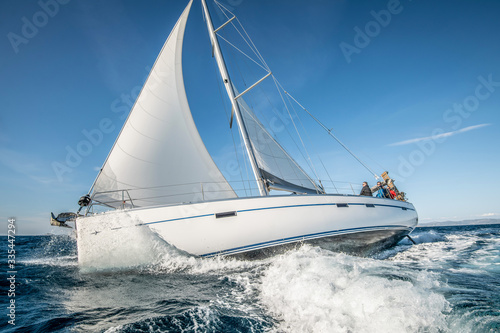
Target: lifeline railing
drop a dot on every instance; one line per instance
(198, 192)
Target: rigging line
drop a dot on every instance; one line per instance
(246, 55)
(221, 7)
(252, 47)
(274, 109)
(300, 137)
(245, 107)
(331, 180)
(374, 161)
(311, 143)
(289, 114)
(327, 173)
(232, 134)
(333, 136)
(235, 60)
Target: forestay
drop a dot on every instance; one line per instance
(159, 157)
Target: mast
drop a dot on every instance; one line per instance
(232, 97)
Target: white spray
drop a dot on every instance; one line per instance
(116, 240)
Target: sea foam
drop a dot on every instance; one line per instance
(312, 290)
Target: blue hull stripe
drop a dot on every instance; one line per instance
(303, 237)
(326, 204)
(277, 207)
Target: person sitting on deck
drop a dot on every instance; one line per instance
(366, 190)
(391, 192)
(380, 190)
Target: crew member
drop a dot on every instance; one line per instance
(366, 190)
(379, 189)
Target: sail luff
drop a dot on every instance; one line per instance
(230, 91)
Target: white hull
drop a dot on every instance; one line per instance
(244, 225)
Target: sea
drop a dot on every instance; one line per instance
(449, 281)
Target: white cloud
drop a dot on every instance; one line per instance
(439, 136)
(489, 214)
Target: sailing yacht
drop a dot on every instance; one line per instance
(160, 173)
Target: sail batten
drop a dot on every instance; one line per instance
(159, 157)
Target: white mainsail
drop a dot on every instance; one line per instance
(159, 157)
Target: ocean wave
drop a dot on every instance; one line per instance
(68, 260)
(199, 319)
(54, 250)
(427, 237)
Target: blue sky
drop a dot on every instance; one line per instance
(412, 87)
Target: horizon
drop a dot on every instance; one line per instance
(464, 223)
(418, 99)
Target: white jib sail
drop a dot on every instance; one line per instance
(159, 157)
(279, 169)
